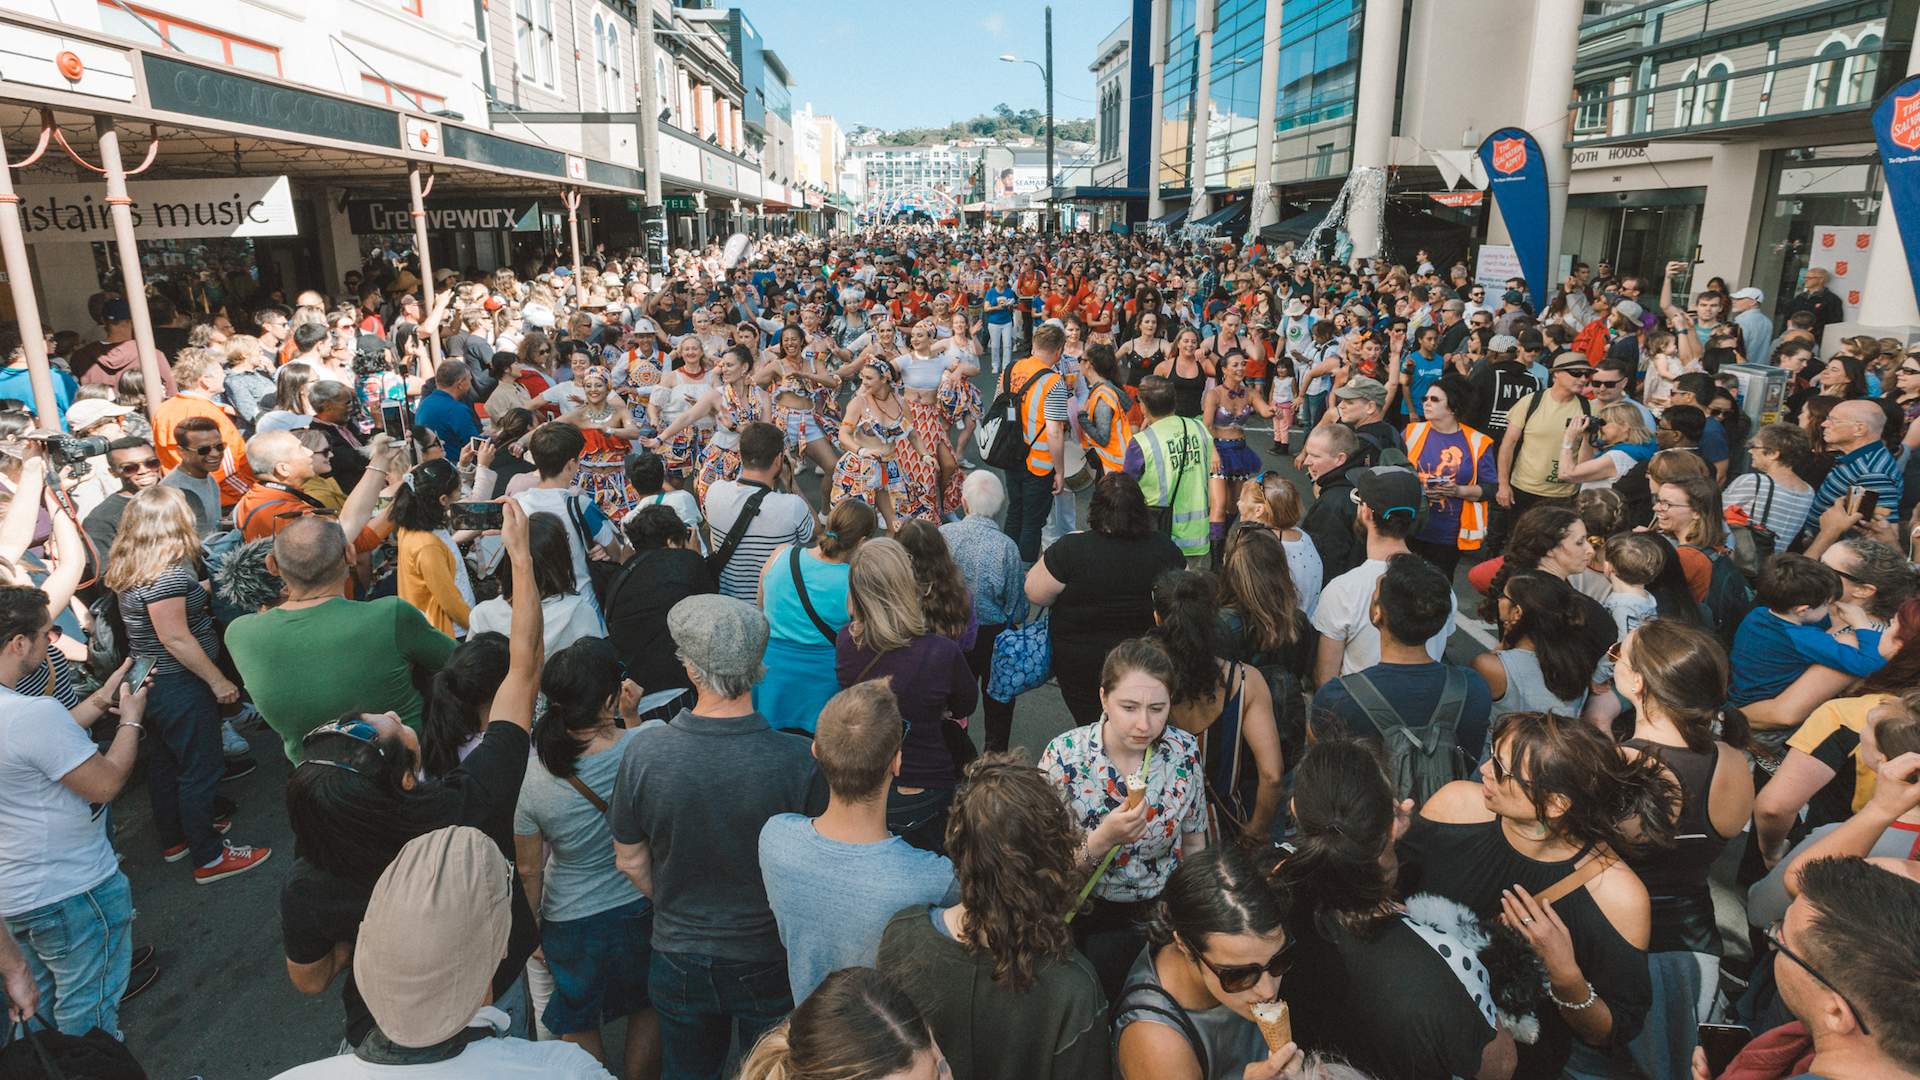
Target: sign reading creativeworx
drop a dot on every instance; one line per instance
(369, 216)
(162, 209)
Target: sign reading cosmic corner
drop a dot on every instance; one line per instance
(162, 210)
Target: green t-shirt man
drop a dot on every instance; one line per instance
(308, 666)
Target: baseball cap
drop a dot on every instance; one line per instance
(1631, 310)
(1750, 293)
(719, 634)
(1502, 343)
(116, 310)
(1361, 387)
(1387, 489)
(85, 414)
(1512, 296)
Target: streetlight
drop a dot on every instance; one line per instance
(1046, 73)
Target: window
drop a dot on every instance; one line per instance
(191, 38)
(618, 97)
(398, 96)
(533, 37)
(663, 86)
(1829, 81)
(1592, 116)
(1863, 69)
(1703, 95)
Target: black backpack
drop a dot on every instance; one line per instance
(1002, 435)
(1419, 762)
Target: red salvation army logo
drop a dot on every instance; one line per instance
(1861, 240)
(1840, 268)
(1826, 239)
(1904, 128)
(1509, 155)
(1853, 296)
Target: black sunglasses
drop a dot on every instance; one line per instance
(1239, 978)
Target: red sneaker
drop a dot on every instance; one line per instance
(233, 861)
(179, 850)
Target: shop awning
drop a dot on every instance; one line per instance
(1230, 220)
(1169, 220)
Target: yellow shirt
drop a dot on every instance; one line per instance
(1832, 734)
(1536, 468)
(426, 577)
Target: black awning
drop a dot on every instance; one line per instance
(1230, 219)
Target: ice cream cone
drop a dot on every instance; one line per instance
(1276, 1026)
(1136, 790)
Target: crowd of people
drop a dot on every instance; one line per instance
(511, 577)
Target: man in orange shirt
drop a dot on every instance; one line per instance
(285, 464)
(201, 379)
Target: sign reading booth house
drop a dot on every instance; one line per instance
(162, 210)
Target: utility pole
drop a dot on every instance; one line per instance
(1051, 179)
(653, 216)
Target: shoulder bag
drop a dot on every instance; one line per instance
(717, 561)
(600, 572)
(1022, 659)
(806, 602)
(1161, 517)
(586, 792)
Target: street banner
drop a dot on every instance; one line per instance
(1517, 176)
(1896, 125)
(162, 209)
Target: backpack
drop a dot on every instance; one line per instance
(106, 634)
(1001, 437)
(1383, 453)
(1531, 403)
(1728, 598)
(1419, 762)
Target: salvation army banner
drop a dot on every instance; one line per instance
(1517, 176)
(1896, 125)
(1842, 251)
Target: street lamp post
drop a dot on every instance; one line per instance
(1046, 73)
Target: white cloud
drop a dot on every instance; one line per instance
(995, 24)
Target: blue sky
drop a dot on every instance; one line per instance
(924, 63)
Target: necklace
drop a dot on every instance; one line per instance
(598, 416)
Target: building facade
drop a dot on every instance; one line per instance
(935, 178)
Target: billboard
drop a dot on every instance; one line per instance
(162, 209)
(1011, 181)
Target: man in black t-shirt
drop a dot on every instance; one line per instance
(1501, 383)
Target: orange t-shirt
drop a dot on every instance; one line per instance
(234, 476)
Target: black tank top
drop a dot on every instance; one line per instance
(1187, 393)
(1676, 876)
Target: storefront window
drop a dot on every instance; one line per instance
(1829, 186)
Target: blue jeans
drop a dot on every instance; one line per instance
(1029, 501)
(184, 772)
(80, 950)
(599, 966)
(701, 999)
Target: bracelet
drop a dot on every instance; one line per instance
(139, 727)
(1592, 996)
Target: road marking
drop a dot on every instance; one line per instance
(1479, 631)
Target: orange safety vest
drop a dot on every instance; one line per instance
(1113, 452)
(1473, 512)
(1033, 410)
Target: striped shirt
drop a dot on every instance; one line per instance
(784, 518)
(1869, 466)
(1782, 511)
(177, 581)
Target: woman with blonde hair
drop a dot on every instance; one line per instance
(857, 1025)
(1272, 500)
(154, 569)
(1622, 430)
(887, 637)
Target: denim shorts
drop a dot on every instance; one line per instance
(599, 966)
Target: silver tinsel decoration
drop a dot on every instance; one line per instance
(1362, 200)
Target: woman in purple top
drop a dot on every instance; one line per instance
(889, 638)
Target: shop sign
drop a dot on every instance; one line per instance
(219, 95)
(1457, 198)
(162, 210)
(504, 214)
(681, 203)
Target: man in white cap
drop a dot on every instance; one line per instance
(1756, 329)
(102, 419)
(435, 929)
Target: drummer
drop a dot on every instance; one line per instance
(1101, 416)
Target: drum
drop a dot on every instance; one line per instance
(1074, 466)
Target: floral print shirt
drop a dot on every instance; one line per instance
(1176, 804)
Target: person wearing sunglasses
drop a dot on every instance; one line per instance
(356, 798)
(136, 467)
(1218, 946)
(1414, 999)
(1555, 809)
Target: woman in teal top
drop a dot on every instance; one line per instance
(800, 673)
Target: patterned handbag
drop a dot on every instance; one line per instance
(1022, 659)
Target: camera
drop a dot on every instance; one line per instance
(72, 451)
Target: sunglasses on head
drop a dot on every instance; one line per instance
(1238, 978)
(357, 729)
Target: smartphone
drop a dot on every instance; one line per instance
(1864, 501)
(477, 442)
(477, 516)
(1722, 1043)
(137, 674)
(394, 423)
